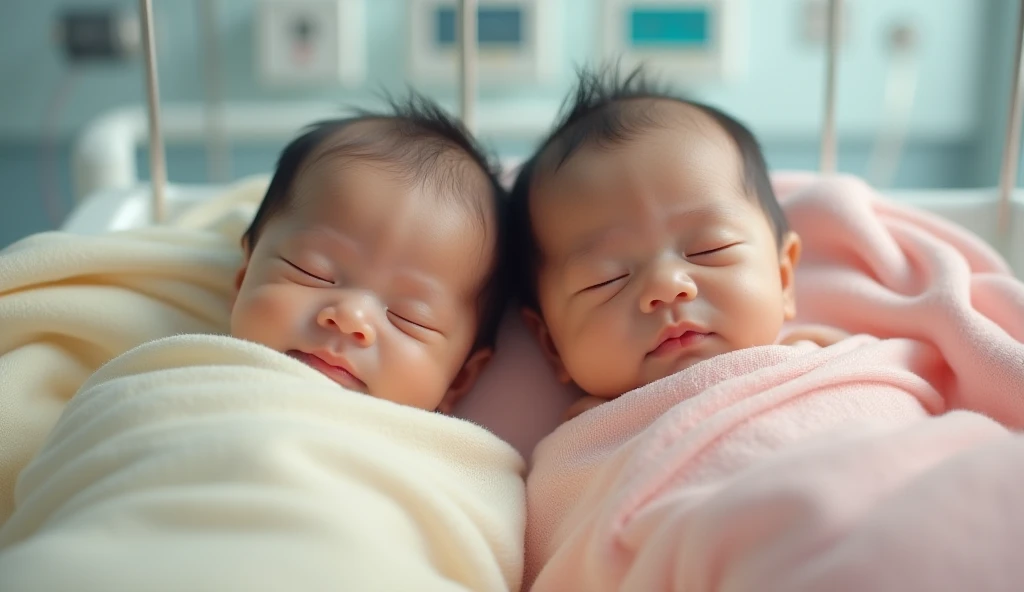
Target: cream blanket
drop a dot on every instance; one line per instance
(69, 304)
(207, 463)
(230, 464)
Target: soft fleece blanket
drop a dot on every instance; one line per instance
(209, 463)
(69, 304)
(885, 462)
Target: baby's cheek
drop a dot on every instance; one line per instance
(753, 306)
(263, 313)
(603, 352)
(413, 374)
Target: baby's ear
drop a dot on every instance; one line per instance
(535, 324)
(465, 380)
(789, 257)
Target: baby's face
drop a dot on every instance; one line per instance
(372, 280)
(654, 258)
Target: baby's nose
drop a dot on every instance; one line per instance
(351, 318)
(668, 283)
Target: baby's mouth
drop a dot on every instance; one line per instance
(675, 343)
(334, 368)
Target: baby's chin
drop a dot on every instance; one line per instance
(673, 367)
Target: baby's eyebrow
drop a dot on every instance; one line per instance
(715, 211)
(325, 240)
(592, 244)
(441, 297)
(421, 286)
(706, 215)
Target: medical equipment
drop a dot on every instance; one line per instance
(696, 41)
(311, 41)
(114, 198)
(900, 91)
(517, 41)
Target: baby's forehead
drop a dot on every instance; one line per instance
(630, 125)
(410, 157)
(662, 138)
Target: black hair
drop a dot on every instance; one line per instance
(607, 109)
(429, 146)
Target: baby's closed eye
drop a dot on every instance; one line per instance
(715, 254)
(411, 321)
(605, 283)
(708, 250)
(316, 274)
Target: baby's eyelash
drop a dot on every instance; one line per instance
(711, 251)
(306, 272)
(411, 322)
(603, 284)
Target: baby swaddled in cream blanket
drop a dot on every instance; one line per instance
(209, 463)
(310, 449)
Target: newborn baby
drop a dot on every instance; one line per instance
(650, 239)
(658, 271)
(373, 261)
(374, 257)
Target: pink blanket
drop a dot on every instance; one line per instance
(885, 462)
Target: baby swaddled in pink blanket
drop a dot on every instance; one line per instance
(660, 272)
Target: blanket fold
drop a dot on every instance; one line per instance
(202, 462)
(883, 462)
(69, 304)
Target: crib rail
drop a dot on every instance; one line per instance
(1011, 148)
(157, 158)
(468, 77)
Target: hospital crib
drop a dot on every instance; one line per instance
(106, 171)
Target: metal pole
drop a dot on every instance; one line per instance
(218, 151)
(828, 132)
(157, 161)
(1011, 150)
(468, 62)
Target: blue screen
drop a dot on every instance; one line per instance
(495, 26)
(659, 27)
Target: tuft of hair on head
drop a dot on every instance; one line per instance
(415, 135)
(426, 135)
(422, 141)
(607, 108)
(596, 112)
